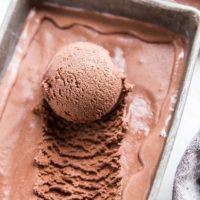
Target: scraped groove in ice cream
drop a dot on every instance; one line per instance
(80, 161)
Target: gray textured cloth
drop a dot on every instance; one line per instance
(187, 179)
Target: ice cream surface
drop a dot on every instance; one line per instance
(81, 83)
(83, 159)
(45, 157)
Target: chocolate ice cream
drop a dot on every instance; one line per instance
(81, 83)
(45, 157)
(80, 161)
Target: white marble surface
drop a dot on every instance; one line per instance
(190, 124)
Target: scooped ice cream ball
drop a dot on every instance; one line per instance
(81, 83)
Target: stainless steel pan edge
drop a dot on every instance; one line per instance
(182, 19)
(10, 30)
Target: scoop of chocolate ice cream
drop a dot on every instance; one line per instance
(81, 83)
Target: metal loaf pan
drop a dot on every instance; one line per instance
(178, 18)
